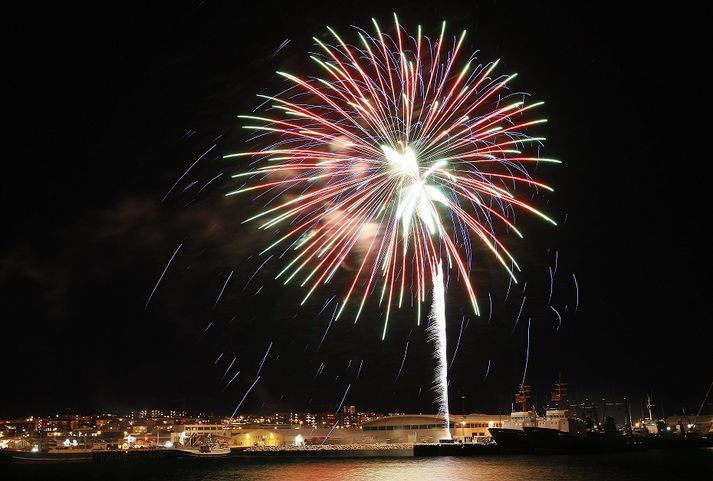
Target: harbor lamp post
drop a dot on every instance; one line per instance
(462, 399)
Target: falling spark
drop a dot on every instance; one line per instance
(245, 396)
(219, 357)
(455, 352)
(230, 366)
(487, 371)
(162, 274)
(326, 303)
(225, 284)
(231, 380)
(527, 356)
(191, 184)
(282, 45)
(329, 325)
(206, 329)
(339, 407)
(507, 292)
(490, 307)
(263, 360)
(557, 255)
(255, 273)
(517, 319)
(559, 318)
(186, 172)
(576, 286)
(208, 183)
(403, 361)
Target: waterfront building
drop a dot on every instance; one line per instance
(401, 428)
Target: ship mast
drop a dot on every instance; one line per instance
(559, 393)
(650, 406)
(523, 396)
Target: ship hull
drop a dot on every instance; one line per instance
(552, 441)
(511, 441)
(29, 457)
(196, 453)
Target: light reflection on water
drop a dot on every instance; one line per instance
(650, 466)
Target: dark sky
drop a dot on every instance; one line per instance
(109, 105)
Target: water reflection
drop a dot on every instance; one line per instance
(649, 466)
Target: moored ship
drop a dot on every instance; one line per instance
(560, 430)
(202, 446)
(511, 437)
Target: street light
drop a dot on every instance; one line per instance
(462, 399)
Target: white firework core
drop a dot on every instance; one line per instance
(437, 335)
(416, 197)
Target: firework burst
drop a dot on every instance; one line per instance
(392, 161)
(394, 151)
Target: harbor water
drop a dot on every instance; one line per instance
(671, 465)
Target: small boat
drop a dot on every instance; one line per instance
(203, 451)
(36, 456)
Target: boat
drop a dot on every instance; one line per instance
(203, 451)
(511, 437)
(559, 430)
(202, 446)
(37, 456)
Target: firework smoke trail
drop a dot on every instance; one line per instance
(437, 334)
(363, 160)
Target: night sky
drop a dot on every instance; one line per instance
(108, 106)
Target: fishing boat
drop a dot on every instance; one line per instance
(202, 446)
(203, 451)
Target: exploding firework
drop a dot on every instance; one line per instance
(388, 166)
